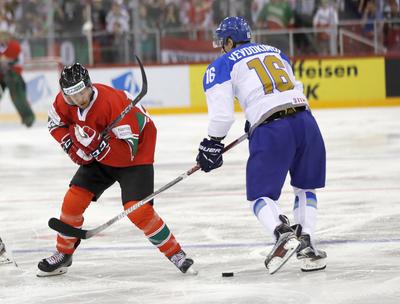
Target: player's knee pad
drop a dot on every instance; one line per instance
(76, 200)
(141, 216)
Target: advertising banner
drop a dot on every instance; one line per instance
(342, 82)
(339, 82)
(168, 87)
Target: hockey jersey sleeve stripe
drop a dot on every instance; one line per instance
(286, 58)
(141, 119)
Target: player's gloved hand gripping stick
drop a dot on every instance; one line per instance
(55, 223)
(68, 230)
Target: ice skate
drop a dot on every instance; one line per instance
(57, 264)
(285, 246)
(311, 258)
(4, 258)
(183, 263)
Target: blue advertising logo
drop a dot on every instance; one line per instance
(37, 89)
(126, 82)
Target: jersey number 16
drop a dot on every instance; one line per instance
(272, 74)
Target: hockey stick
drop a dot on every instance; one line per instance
(68, 230)
(133, 102)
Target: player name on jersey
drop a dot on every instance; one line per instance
(251, 50)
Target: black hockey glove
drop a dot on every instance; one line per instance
(247, 127)
(210, 155)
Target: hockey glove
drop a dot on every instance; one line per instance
(77, 155)
(90, 141)
(247, 127)
(210, 155)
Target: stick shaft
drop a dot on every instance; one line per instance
(181, 177)
(66, 229)
(133, 102)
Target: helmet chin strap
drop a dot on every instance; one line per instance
(233, 45)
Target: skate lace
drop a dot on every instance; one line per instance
(178, 259)
(55, 258)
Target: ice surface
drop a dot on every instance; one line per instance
(358, 223)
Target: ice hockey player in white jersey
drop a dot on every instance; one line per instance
(283, 137)
(4, 258)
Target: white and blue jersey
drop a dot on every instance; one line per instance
(259, 76)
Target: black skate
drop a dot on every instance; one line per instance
(312, 259)
(4, 258)
(57, 264)
(285, 246)
(182, 262)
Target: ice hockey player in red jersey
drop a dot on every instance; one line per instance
(80, 112)
(11, 78)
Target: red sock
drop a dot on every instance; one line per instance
(158, 233)
(75, 202)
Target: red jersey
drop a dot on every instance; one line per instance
(132, 140)
(11, 51)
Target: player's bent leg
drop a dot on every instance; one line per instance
(75, 202)
(305, 209)
(17, 88)
(267, 212)
(158, 233)
(305, 214)
(285, 247)
(270, 216)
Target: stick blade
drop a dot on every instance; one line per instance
(66, 229)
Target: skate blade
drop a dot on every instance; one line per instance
(277, 262)
(5, 261)
(313, 265)
(42, 274)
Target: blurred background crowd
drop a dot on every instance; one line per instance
(111, 31)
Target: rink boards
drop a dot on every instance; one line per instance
(328, 83)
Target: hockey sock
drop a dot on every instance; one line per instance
(267, 212)
(17, 88)
(75, 202)
(152, 225)
(305, 209)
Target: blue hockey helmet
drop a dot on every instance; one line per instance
(235, 28)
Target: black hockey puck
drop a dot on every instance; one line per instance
(227, 274)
